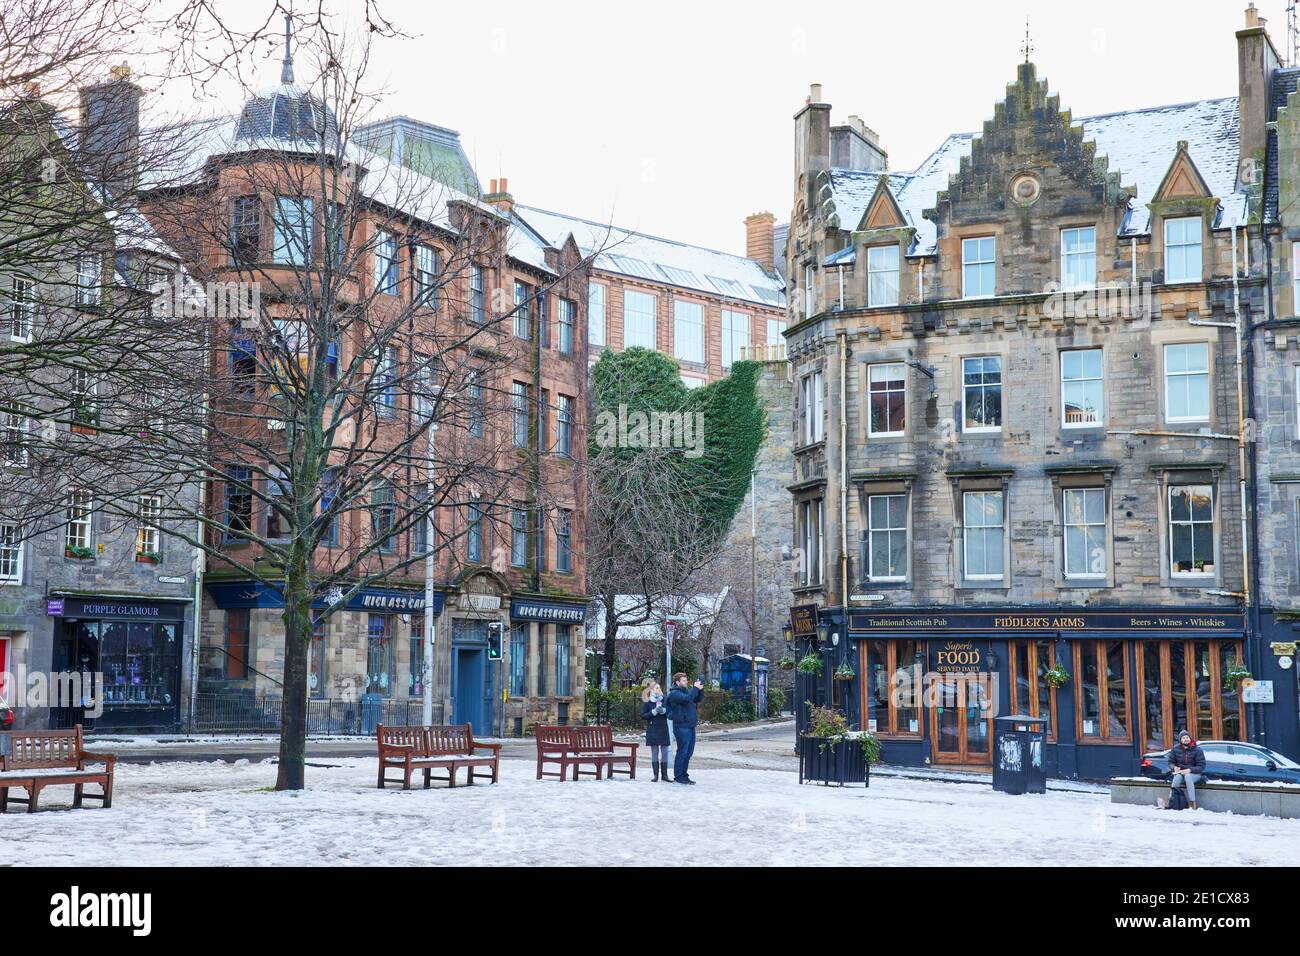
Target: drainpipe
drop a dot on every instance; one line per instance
(844, 475)
(1133, 262)
(426, 672)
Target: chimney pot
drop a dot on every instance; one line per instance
(505, 188)
(493, 188)
(815, 93)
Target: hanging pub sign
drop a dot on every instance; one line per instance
(803, 620)
(549, 612)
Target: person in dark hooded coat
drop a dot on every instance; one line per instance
(654, 711)
(1186, 766)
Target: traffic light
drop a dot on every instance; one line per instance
(495, 630)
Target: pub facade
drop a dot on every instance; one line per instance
(1021, 468)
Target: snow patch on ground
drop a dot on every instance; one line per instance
(219, 813)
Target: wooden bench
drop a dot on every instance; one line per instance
(37, 759)
(577, 747)
(434, 748)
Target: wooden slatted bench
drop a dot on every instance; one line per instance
(36, 759)
(577, 747)
(449, 748)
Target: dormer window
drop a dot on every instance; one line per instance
(977, 267)
(882, 275)
(1183, 249)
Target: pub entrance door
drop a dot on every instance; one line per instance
(961, 719)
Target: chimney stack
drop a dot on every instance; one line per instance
(110, 132)
(1257, 61)
(499, 195)
(758, 239)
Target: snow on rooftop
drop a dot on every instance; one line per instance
(642, 256)
(1138, 144)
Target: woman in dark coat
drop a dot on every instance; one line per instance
(654, 711)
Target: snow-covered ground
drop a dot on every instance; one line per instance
(221, 813)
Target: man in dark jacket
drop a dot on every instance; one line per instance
(683, 701)
(1187, 764)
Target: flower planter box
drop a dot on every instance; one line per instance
(146, 559)
(827, 762)
(86, 555)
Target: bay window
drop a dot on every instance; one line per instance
(810, 409)
(292, 227)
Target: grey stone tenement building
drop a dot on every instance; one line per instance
(1018, 479)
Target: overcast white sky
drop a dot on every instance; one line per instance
(674, 118)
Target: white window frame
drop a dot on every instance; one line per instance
(901, 389)
(596, 297)
(519, 400)
(965, 389)
(1169, 525)
(776, 332)
(811, 400)
(78, 530)
(1067, 525)
(12, 544)
(1183, 376)
(148, 536)
(14, 445)
(1088, 255)
(968, 262)
(688, 331)
(735, 326)
(89, 275)
(1200, 253)
(809, 297)
(875, 269)
(965, 537)
(889, 530)
(1100, 378)
(634, 304)
(21, 309)
(426, 275)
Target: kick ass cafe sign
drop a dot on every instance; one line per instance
(1065, 622)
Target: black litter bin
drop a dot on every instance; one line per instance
(1018, 754)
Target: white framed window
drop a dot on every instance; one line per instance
(22, 309)
(735, 336)
(476, 295)
(11, 554)
(519, 414)
(639, 319)
(426, 276)
(89, 271)
(811, 405)
(812, 540)
(809, 299)
(148, 538)
(1187, 382)
(1183, 249)
(523, 321)
(567, 317)
(13, 439)
(887, 537)
(983, 530)
(385, 261)
(978, 267)
(887, 398)
(1082, 398)
(1079, 257)
(77, 529)
(1191, 531)
(1083, 512)
(775, 332)
(981, 398)
(596, 314)
(688, 331)
(882, 275)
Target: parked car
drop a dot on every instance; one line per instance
(1230, 760)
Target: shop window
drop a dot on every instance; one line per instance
(518, 660)
(1030, 691)
(563, 649)
(1182, 689)
(138, 660)
(981, 385)
(317, 670)
(415, 677)
(379, 655)
(1102, 704)
(886, 392)
(237, 643)
(892, 689)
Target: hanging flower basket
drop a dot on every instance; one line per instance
(844, 672)
(1058, 676)
(811, 664)
(785, 663)
(1234, 675)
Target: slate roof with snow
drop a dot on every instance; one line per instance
(641, 256)
(1138, 144)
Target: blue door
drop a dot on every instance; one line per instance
(468, 707)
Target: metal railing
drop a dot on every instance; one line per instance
(244, 714)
